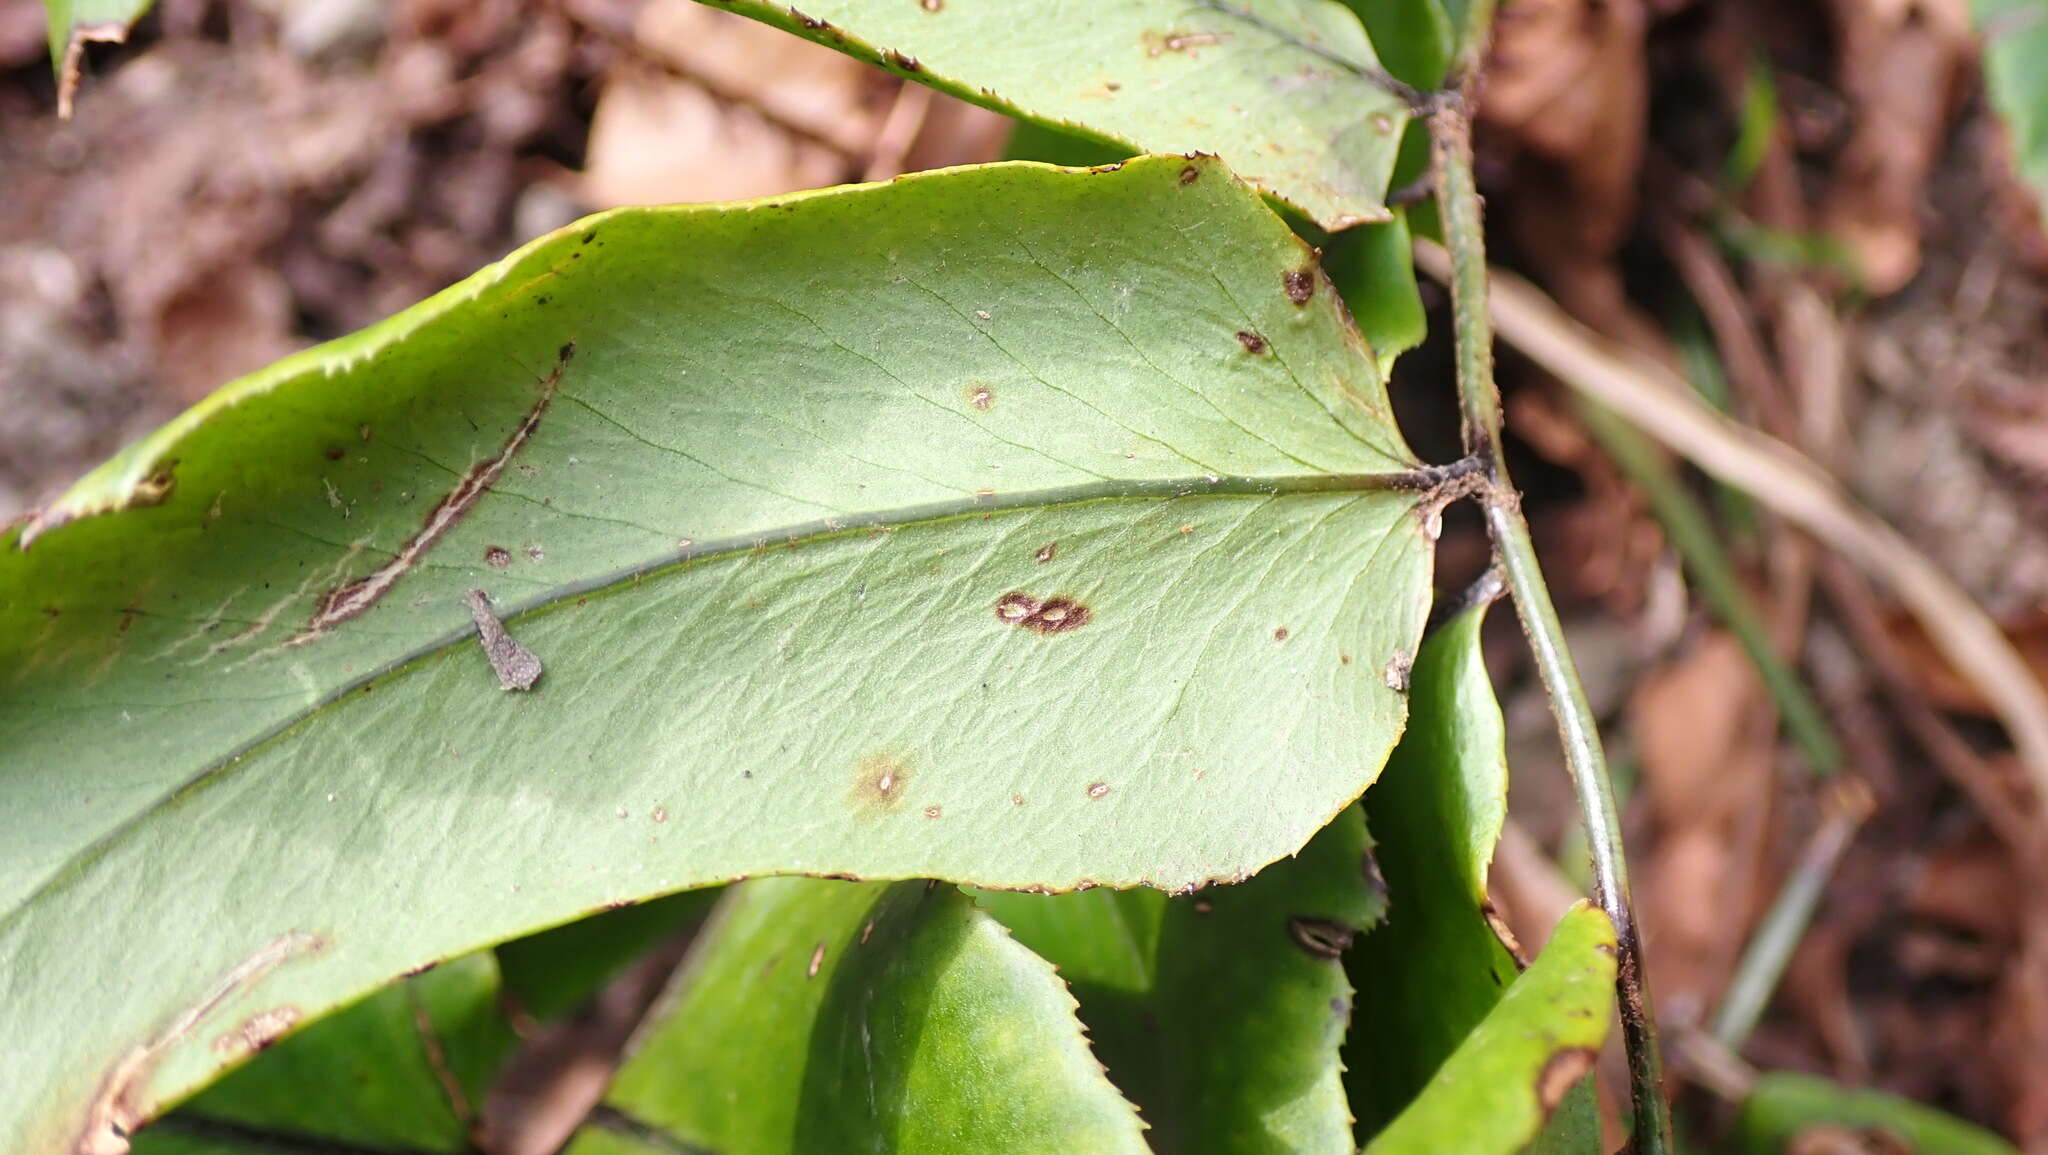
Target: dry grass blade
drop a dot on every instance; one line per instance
(1780, 477)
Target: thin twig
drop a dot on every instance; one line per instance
(1780, 477)
(1458, 201)
(1845, 807)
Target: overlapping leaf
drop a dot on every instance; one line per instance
(1531, 1051)
(1014, 526)
(1288, 92)
(1221, 1013)
(835, 1016)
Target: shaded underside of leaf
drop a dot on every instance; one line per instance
(1016, 526)
(1288, 92)
(402, 1071)
(1430, 974)
(860, 1017)
(552, 973)
(1532, 1050)
(1220, 1013)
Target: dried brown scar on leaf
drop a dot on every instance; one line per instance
(119, 1106)
(346, 601)
(516, 666)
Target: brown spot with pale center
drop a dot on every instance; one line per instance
(879, 784)
(1252, 342)
(1190, 175)
(1301, 285)
(1047, 552)
(497, 557)
(1050, 616)
(932, 812)
(1280, 634)
(981, 397)
(1561, 1073)
(1098, 789)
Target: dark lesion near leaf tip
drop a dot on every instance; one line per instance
(880, 784)
(515, 665)
(1049, 616)
(1300, 284)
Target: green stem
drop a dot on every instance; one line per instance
(1464, 237)
(1692, 535)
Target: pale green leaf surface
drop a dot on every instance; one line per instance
(1220, 1013)
(818, 1015)
(759, 534)
(1285, 91)
(1435, 969)
(380, 1075)
(2015, 45)
(1493, 1095)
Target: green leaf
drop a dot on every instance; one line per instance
(1429, 976)
(2015, 43)
(558, 970)
(1220, 1014)
(833, 1016)
(1495, 1091)
(1415, 38)
(1288, 92)
(1784, 1104)
(776, 529)
(404, 1070)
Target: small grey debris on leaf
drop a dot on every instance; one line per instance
(517, 668)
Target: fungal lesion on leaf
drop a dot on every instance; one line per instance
(880, 784)
(1055, 615)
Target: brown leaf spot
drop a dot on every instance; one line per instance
(931, 5)
(1252, 342)
(1051, 616)
(1322, 937)
(817, 960)
(258, 1031)
(1301, 285)
(879, 784)
(497, 557)
(1190, 175)
(1561, 1073)
(932, 812)
(1047, 551)
(660, 814)
(1016, 800)
(1098, 789)
(981, 396)
(1280, 634)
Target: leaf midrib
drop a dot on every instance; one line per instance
(1418, 481)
